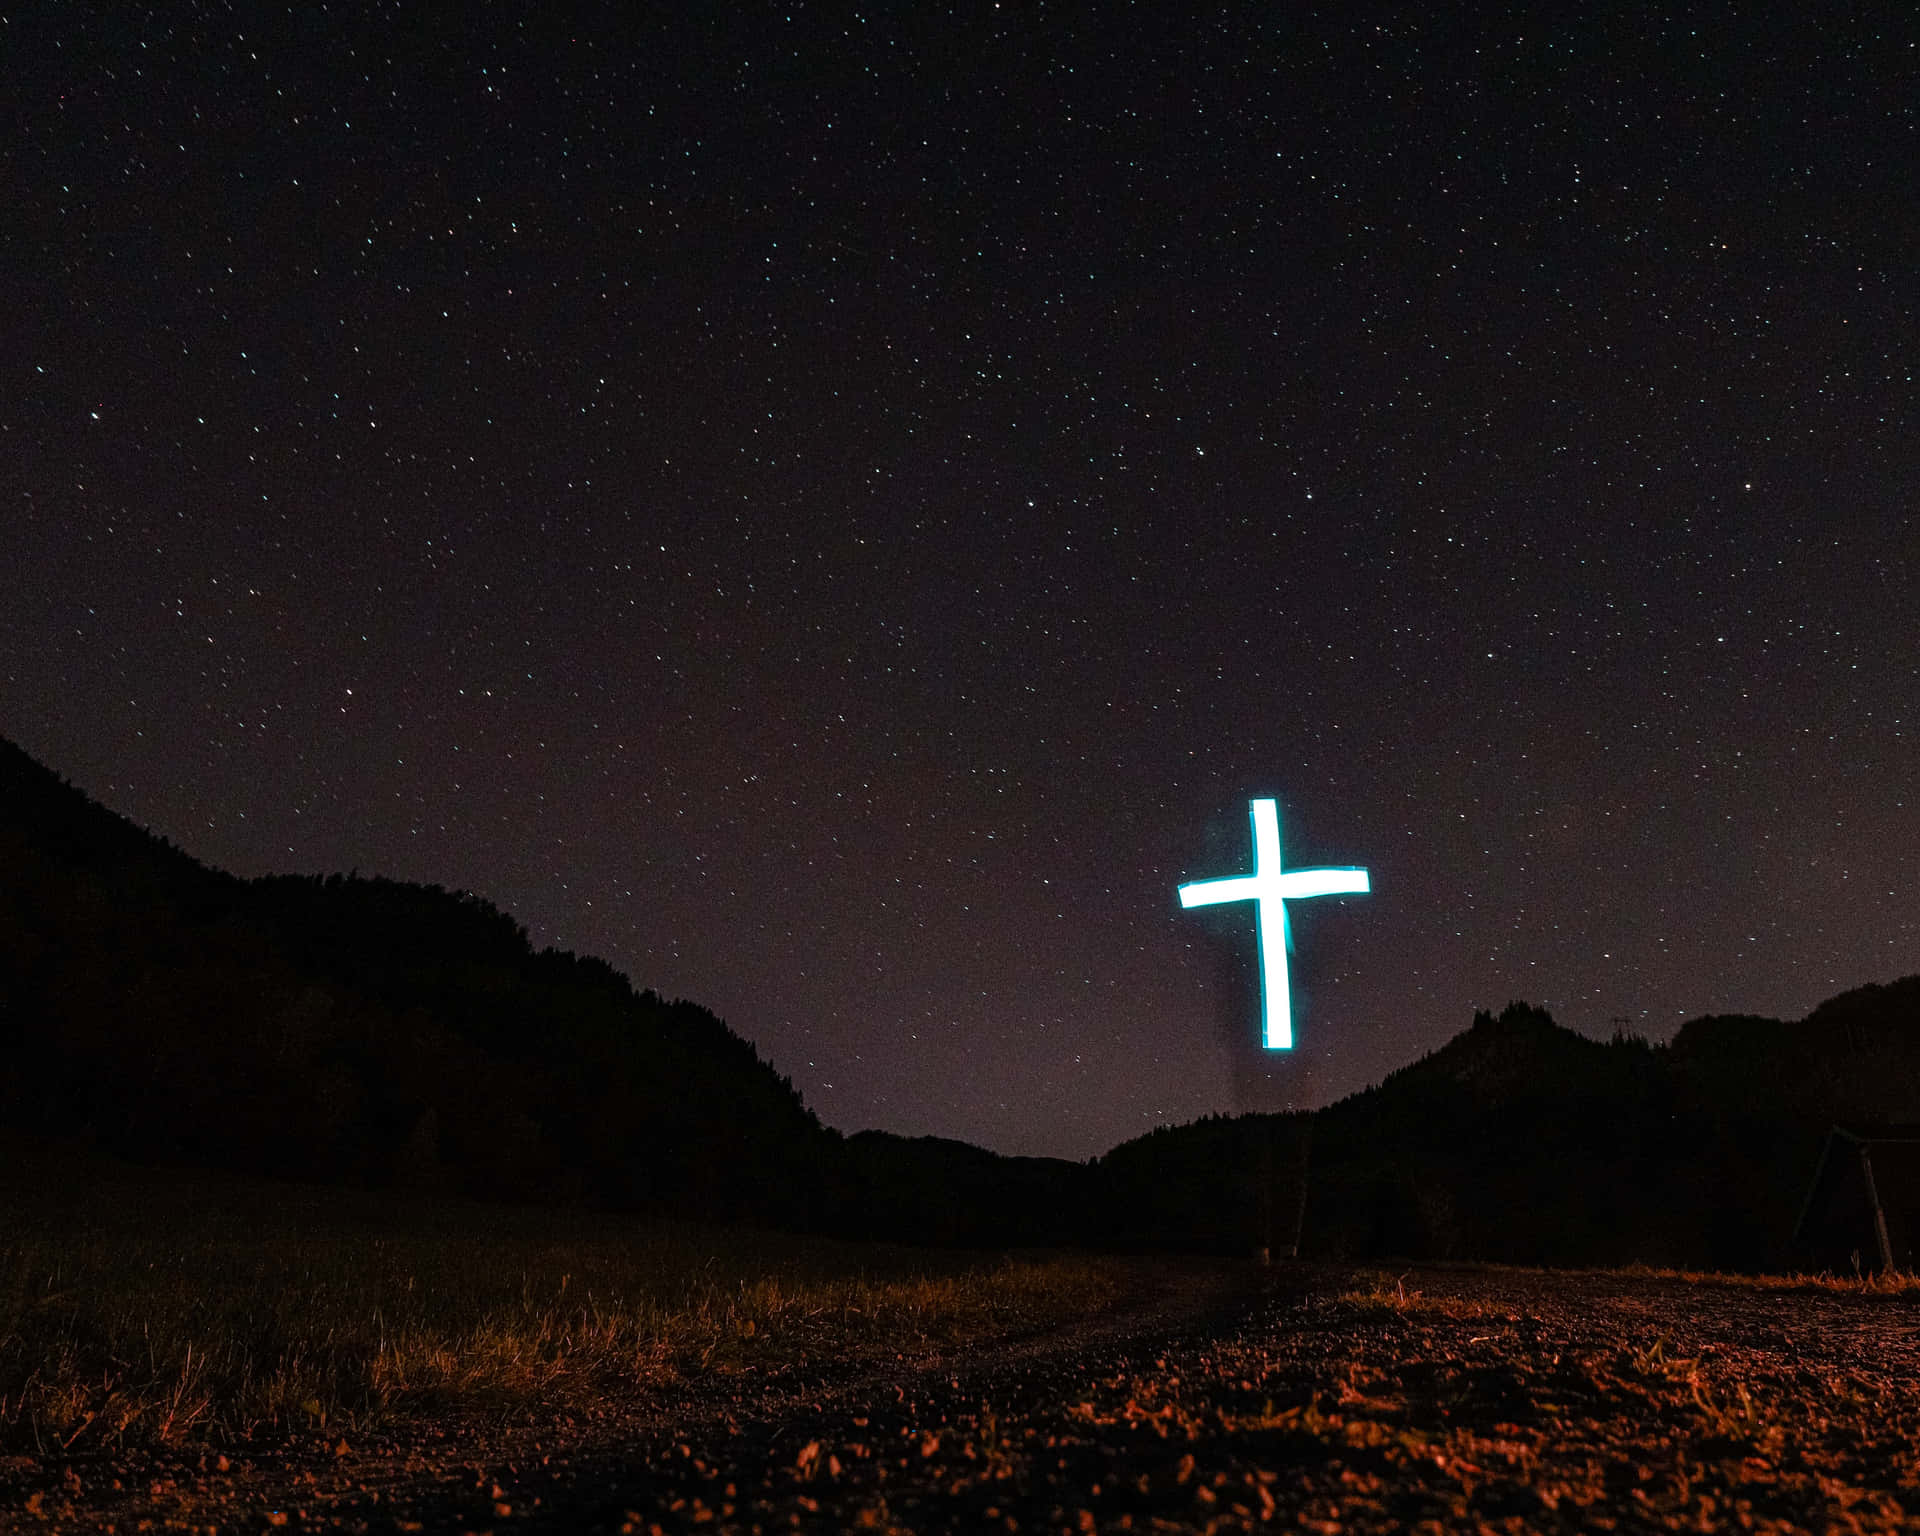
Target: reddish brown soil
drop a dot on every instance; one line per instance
(1230, 1399)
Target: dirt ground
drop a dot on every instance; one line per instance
(1223, 1398)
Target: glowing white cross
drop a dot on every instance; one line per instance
(1271, 889)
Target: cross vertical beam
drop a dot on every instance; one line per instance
(1270, 888)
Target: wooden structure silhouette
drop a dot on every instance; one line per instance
(1862, 1211)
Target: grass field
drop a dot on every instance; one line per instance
(149, 1307)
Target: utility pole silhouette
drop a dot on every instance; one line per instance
(1266, 1184)
(1306, 1161)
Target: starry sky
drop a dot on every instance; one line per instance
(837, 513)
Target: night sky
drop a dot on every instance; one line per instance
(838, 515)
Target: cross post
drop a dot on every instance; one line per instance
(1270, 890)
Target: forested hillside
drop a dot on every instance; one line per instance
(361, 1031)
(1522, 1141)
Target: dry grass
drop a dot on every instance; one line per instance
(1378, 1294)
(147, 1308)
(1885, 1283)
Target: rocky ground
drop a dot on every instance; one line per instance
(1220, 1399)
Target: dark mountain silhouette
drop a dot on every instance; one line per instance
(1517, 1140)
(370, 1032)
(1522, 1141)
(361, 1031)
(927, 1189)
